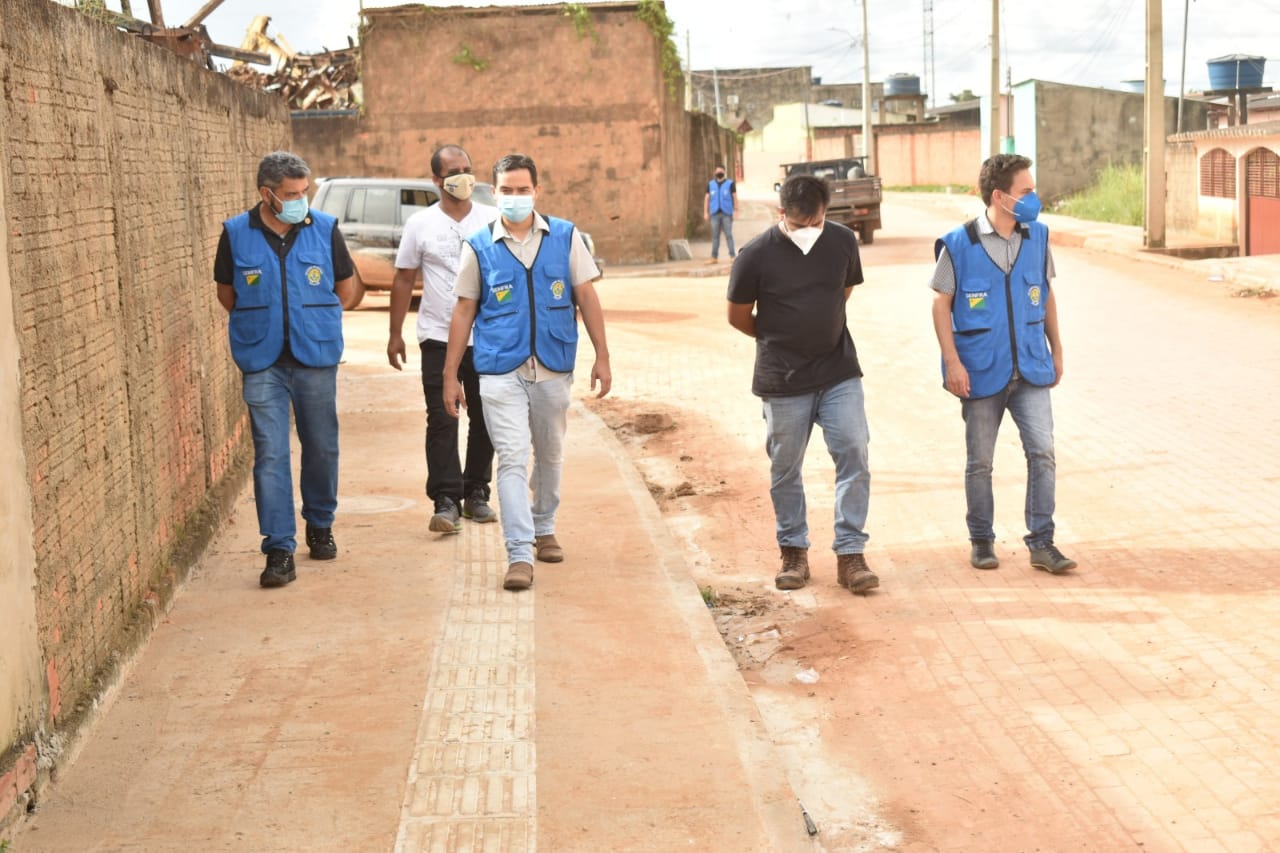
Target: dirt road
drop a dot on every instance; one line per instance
(1126, 706)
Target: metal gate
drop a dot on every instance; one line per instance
(1262, 182)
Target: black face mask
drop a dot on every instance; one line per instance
(719, 176)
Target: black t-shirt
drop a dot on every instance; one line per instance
(802, 339)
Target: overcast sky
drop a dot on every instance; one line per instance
(1083, 42)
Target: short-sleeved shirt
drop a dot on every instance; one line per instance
(582, 269)
(432, 242)
(1002, 252)
(224, 267)
(802, 337)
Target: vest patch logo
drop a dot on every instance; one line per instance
(314, 275)
(502, 292)
(557, 289)
(977, 301)
(1034, 295)
(252, 277)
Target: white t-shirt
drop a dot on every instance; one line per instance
(432, 241)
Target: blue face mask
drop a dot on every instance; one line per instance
(1027, 208)
(515, 208)
(292, 211)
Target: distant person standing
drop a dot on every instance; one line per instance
(718, 208)
(432, 242)
(797, 277)
(996, 319)
(283, 272)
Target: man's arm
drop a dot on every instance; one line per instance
(227, 296)
(955, 375)
(401, 296)
(1051, 332)
(588, 302)
(733, 200)
(743, 318)
(342, 289)
(464, 316)
(706, 205)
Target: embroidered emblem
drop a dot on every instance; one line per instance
(977, 301)
(252, 277)
(502, 293)
(1034, 295)
(557, 289)
(314, 275)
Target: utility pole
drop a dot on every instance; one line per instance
(1153, 131)
(995, 77)
(868, 143)
(715, 77)
(1182, 85)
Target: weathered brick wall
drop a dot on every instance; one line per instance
(122, 162)
(590, 107)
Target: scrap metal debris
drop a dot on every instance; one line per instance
(315, 81)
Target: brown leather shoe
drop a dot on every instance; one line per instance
(853, 573)
(795, 568)
(519, 576)
(548, 550)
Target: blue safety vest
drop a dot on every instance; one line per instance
(272, 293)
(522, 311)
(998, 318)
(721, 193)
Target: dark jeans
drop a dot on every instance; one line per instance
(445, 476)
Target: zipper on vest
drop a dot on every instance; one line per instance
(1008, 306)
(533, 310)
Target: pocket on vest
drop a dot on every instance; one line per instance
(976, 348)
(322, 322)
(249, 325)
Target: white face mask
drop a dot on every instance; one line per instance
(459, 186)
(804, 238)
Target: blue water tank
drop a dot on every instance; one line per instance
(901, 84)
(1236, 71)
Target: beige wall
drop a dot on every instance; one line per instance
(21, 684)
(921, 155)
(1209, 218)
(120, 162)
(592, 109)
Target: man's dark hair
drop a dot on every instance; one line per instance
(997, 173)
(278, 165)
(805, 195)
(721, 166)
(441, 152)
(514, 162)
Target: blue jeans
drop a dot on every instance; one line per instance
(522, 416)
(312, 391)
(1032, 413)
(721, 222)
(789, 421)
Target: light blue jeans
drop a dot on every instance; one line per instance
(312, 393)
(1032, 413)
(524, 416)
(721, 222)
(789, 421)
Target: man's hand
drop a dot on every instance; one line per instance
(957, 378)
(1057, 368)
(600, 373)
(395, 351)
(454, 399)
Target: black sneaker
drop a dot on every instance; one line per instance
(279, 570)
(1051, 560)
(320, 541)
(447, 518)
(983, 555)
(476, 507)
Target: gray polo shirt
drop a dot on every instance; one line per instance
(1003, 252)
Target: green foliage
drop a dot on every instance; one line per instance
(583, 25)
(654, 15)
(952, 189)
(465, 57)
(1116, 196)
(709, 598)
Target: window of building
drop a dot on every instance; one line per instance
(1218, 174)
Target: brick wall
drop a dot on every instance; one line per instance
(592, 108)
(122, 162)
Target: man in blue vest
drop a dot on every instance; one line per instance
(283, 272)
(997, 325)
(521, 282)
(718, 208)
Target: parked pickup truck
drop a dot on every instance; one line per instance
(855, 195)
